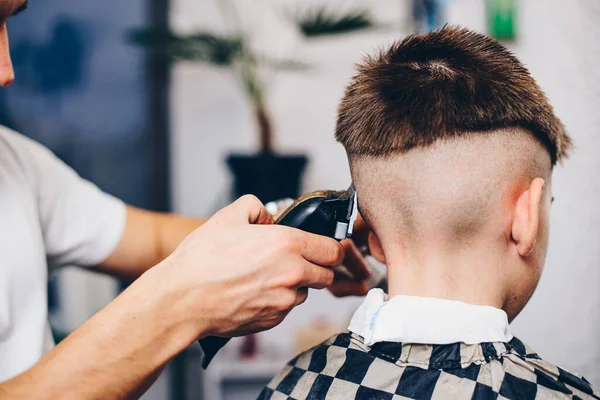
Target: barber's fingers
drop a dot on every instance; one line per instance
(320, 250)
(247, 209)
(312, 276)
(343, 286)
(301, 295)
(354, 261)
(360, 234)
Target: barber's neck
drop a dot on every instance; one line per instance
(472, 275)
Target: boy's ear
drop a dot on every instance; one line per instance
(527, 217)
(375, 247)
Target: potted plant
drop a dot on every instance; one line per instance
(267, 174)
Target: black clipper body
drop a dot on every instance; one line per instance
(324, 212)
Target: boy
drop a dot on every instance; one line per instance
(451, 146)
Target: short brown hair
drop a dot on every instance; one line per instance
(440, 85)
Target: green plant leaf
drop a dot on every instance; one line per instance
(199, 46)
(155, 40)
(323, 22)
(220, 50)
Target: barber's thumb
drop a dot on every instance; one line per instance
(248, 209)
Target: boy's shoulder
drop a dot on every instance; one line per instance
(344, 368)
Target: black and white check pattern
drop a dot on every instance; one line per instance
(344, 368)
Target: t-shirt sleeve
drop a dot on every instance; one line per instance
(81, 225)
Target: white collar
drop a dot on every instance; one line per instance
(412, 319)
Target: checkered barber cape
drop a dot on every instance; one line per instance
(344, 368)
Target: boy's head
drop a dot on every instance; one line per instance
(451, 145)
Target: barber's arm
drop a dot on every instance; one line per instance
(232, 276)
(148, 238)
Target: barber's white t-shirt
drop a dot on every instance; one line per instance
(49, 217)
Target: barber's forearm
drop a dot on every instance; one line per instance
(148, 238)
(171, 230)
(109, 357)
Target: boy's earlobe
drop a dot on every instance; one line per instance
(375, 247)
(527, 217)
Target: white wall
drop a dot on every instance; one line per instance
(210, 118)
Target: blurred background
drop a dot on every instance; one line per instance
(182, 105)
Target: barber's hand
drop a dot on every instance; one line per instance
(354, 282)
(235, 275)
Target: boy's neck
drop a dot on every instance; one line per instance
(473, 277)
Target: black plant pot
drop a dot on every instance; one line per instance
(268, 176)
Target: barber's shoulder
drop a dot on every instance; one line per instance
(11, 143)
(14, 140)
(20, 145)
(22, 155)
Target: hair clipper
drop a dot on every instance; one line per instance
(323, 212)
